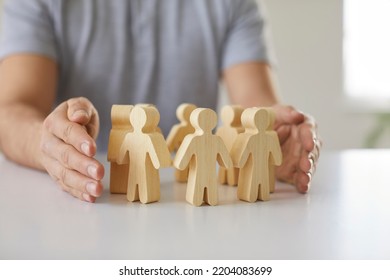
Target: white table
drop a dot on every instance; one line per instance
(345, 216)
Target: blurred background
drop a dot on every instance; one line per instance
(333, 62)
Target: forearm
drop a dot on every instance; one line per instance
(251, 84)
(21, 127)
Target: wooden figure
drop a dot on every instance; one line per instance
(231, 127)
(120, 127)
(199, 151)
(146, 151)
(177, 134)
(158, 129)
(271, 164)
(253, 151)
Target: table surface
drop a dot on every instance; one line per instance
(346, 215)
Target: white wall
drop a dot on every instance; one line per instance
(307, 36)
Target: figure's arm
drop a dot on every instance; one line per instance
(123, 154)
(239, 152)
(112, 150)
(172, 138)
(158, 151)
(223, 155)
(251, 84)
(184, 153)
(275, 149)
(60, 142)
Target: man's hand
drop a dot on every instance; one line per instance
(300, 146)
(68, 147)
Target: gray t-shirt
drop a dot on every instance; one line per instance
(164, 52)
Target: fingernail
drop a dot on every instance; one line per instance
(92, 171)
(296, 113)
(80, 113)
(91, 188)
(87, 197)
(85, 148)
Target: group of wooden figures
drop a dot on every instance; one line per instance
(245, 146)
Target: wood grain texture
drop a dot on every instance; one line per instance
(120, 121)
(200, 150)
(177, 134)
(230, 129)
(253, 152)
(146, 151)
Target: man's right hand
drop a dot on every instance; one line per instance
(68, 148)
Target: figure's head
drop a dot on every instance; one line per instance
(231, 115)
(120, 116)
(203, 119)
(257, 118)
(144, 119)
(183, 112)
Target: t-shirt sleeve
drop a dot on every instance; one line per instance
(27, 28)
(247, 39)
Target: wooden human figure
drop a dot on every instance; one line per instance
(271, 164)
(146, 151)
(231, 127)
(120, 127)
(199, 151)
(253, 151)
(177, 134)
(158, 129)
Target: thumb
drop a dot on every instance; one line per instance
(287, 115)
(81, 111)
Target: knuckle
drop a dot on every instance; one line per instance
(43, 146)
(74, 193)
(48, 123)
(63, 176)
(78, 101)
(63, 187)
(68, 132)
(65, 155)
(291, 107)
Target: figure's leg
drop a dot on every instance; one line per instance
(181, 175)
(194, 194)
(232, 176)
(132, 189)
(118, 178)
(211, 193)
(247, 190)
(149, 189)
(263, 187)
(222, 175)
(211, 189)
(272, 177)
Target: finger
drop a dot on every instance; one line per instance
(72, 179)
(302, 181)
(311, 156)
(287, 115)
(82, 111)
(283, 132)
(79, 110)
(305, 163)
(317, 148)
(286, 172)
(307, 136)
(70, 158)
(78, 194)
(70, 132)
